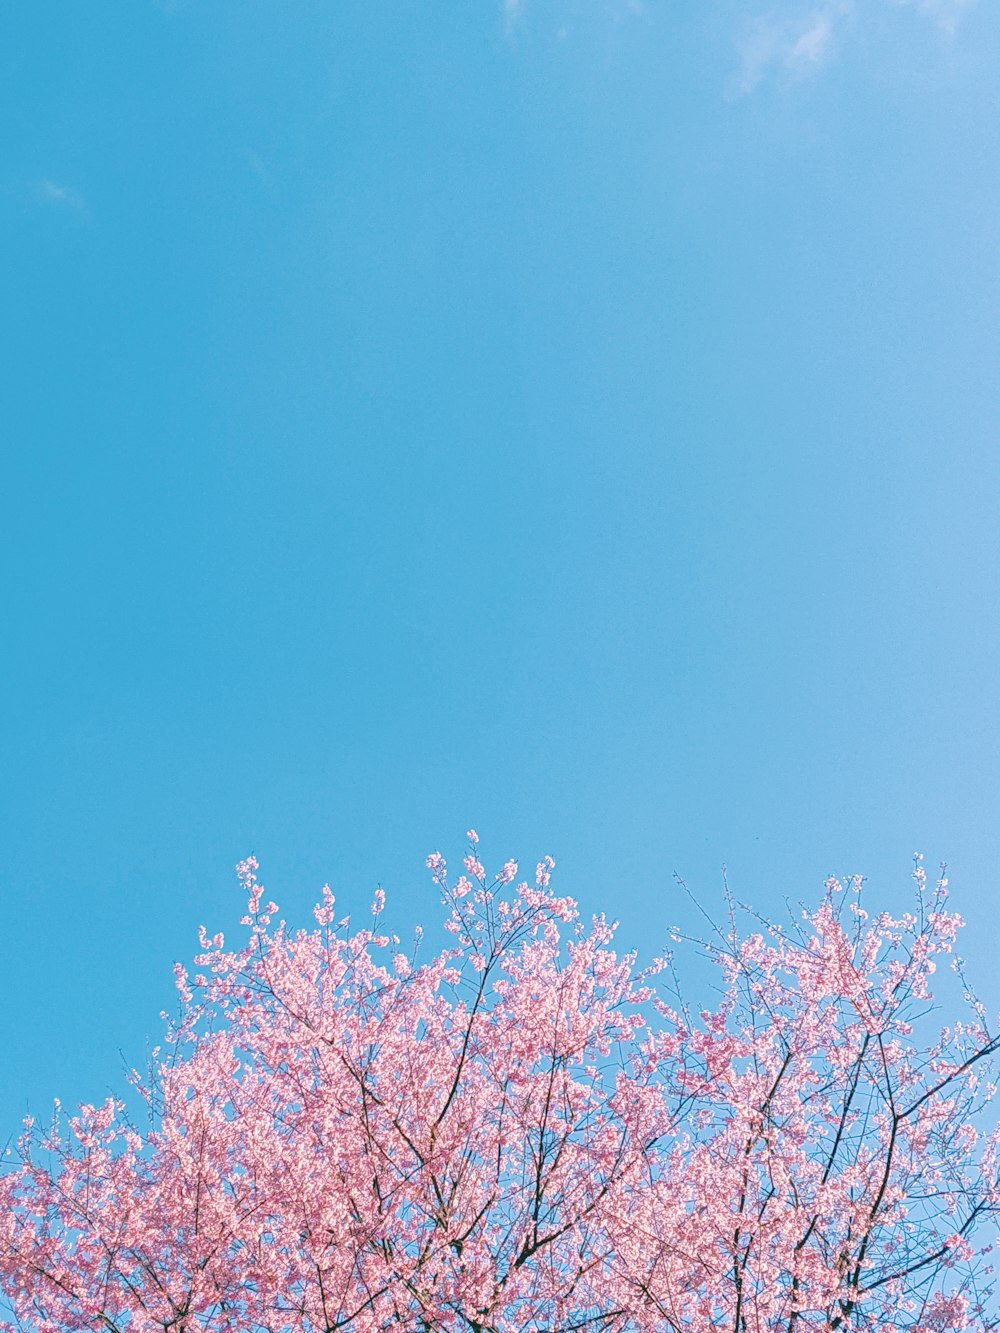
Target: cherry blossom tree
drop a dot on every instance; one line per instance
(528, 1131)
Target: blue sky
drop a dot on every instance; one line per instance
(573, 420)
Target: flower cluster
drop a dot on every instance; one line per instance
(526, 1132)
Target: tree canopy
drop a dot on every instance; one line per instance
(529, 1131)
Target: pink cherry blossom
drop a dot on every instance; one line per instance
(528, 1131)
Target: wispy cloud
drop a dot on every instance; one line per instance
(946, 13)
(789, 39)
(512, 11)
(61, 196)
(799, 43)
(797, 46)
(255, 162)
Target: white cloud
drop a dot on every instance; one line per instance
(512, 10)
(800, 42)
(514, 13)
(62, 196)
(790, 39)
(255, 162)
(812, 46)
(947, 13)
(799, 46)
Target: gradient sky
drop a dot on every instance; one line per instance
(576, 420)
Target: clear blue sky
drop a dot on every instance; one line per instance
(579, 420)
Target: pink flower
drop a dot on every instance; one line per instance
(528, 1131)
